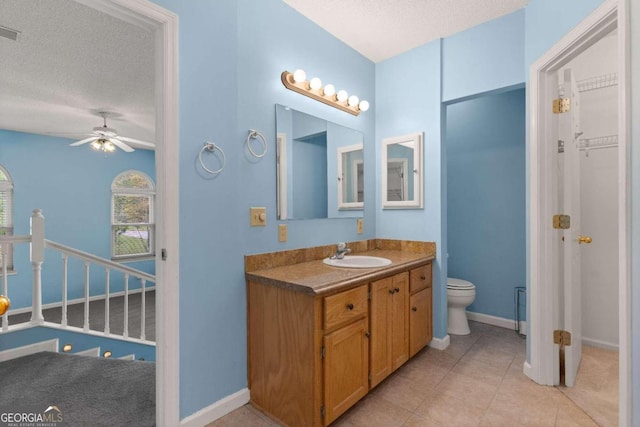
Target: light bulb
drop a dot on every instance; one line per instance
(363, 106)
(299, 76)
(342, 95)
(329, 90)
(96, 145)
(315, 83)
(109, 147)
(353, 101)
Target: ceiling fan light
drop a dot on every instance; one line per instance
(96, 145)
(108, 147)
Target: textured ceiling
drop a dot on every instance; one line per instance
(70, 62)
(380, 29)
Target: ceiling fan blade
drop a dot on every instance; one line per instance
(121, 145)
(84, 141)
(137, 141)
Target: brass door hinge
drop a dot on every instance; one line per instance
(561, 105)
(561, 222)
(323, 352)
(562, 337)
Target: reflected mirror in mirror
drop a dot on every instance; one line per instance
(401, 174)
(320, 167)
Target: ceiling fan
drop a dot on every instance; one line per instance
(104, 138)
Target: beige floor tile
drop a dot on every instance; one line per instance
(474, 392)
(570, 415)
(490, 355)
(416, 420)
(481, 371)
(450, 411)
(502, 413)
(403, 392)
(374, 411)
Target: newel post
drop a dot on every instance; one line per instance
(37, 257)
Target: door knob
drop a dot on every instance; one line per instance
(4, 304)
(584, 239)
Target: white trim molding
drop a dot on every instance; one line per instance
(25, 350)
(217, 410)
(164, 24)
(501, 322)
(440, 343)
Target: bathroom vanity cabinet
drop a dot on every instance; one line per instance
(320, 338)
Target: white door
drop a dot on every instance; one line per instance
(569, 132)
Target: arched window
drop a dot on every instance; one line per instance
(6, 216)
(132, 218)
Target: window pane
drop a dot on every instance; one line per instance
(131, 180)
(132, 240)
(4, 209)
(130, 209)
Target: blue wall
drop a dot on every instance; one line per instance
(72, 185)
(484, 58)
(413, 80)
(231, 56)
(485, 140)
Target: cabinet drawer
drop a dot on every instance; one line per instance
(345, 307)
(420, 278)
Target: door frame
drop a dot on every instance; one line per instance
(164, 25)
(543, 272)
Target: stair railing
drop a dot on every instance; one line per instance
(38, 245)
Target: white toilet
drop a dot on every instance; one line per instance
(460, 294)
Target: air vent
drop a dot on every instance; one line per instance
(8, 33)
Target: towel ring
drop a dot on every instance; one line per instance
(211, 147)
(254, 134)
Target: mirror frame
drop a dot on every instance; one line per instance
(341, 176)
(418, 200)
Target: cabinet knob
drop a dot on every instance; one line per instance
(423, 277)
(396, 290)
(367, 334)
(414, 308)
(349, 306)
(392, 291)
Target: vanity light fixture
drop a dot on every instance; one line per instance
(297, 82)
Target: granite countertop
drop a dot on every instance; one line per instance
(316, 277)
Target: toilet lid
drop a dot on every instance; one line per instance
(459, 284)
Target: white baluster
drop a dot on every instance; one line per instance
(125, 331)
(143, 309)
(106, 303)
(86, 296)
(5, 287)
(37, 258)
(65, 262)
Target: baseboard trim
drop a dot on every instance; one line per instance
(217, 410)
(600, 344)
(528, 370)
(25, 350)
(440, 343)
(497, 321)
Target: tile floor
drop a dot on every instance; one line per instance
(477, 381)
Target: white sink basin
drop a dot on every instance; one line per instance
(358, 261)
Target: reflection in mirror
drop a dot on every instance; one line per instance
(401, 173)
(351, 177)
(309, 158)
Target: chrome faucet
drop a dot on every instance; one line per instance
(341, 251)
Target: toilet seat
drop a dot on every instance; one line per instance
(459, 285)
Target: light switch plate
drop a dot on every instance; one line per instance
(258, 217)
(282, 232)
(360, 225)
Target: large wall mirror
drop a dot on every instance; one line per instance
(401, 172)
(320, 167)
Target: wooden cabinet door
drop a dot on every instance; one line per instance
(420, 320)
(389, 326)
(399, 320)
(380, 346)
(346, 368)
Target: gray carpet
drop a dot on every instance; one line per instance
(75, 315)
(88, 391)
